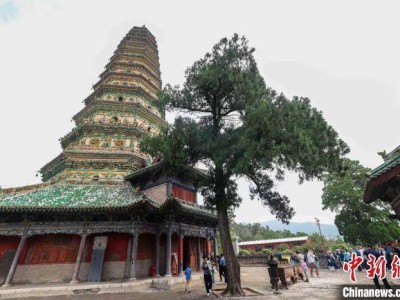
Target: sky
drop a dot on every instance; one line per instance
(343, 55)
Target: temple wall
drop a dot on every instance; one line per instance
(50, 273)
(44, 273)
(115, 264)
(157, 193)
(8, 243)
(143, 267)
(116, 247)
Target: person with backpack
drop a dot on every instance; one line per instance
(222, 265)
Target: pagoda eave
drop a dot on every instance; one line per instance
(123, 107)
(135, 55)
(124, 75)
(88, 129)
(67, 159)
(121, 88)
(112, 64)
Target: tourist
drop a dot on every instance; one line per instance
(219, 268)
(372, 251)
(346, 256)
(188, 274)
(317, 262)
(294, 258)
(303, 265)
(213, 270)
(222, 265)
(331, 261)
(358, 253)
(396, 248)
(388, 255)
(206, 267)
(311, 262)
(341, 257)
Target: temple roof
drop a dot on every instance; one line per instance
(181, 206)
(273, 241)
(386, 166)
(163, 166)
(71, 197)
(379, 176)
(56, 197)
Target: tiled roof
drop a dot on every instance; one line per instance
(375, 186)
(386, 166)
(160, 166)
(283, 240)
(187, 207)
(71, 197)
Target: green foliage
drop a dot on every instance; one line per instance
(282, 247)
(244, 252)
(341, 246)
(342, 194)
(266, 251)
(241, 128)
(298, 248)
(286, 252)
(254, 231)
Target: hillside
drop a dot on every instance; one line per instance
(328, 230)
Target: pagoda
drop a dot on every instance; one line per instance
(121, 110)
(105, 210)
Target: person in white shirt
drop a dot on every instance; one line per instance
(311, 262)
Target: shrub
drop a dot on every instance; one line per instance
(341, 246)
(282, 247)
(265, 251)
(301, 249)
(244, 252)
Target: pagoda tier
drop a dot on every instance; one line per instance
(77, 166)
(104, 145)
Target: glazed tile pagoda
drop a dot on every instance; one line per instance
(121, 110)
(105, 210)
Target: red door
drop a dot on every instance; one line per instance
(193, 253)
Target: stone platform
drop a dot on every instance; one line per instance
(86, 288)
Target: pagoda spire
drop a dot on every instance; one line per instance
(122, 109)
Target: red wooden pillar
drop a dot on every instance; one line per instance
(180, 255)
(199, 256)
(208, 247)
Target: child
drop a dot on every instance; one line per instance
(303, 266)
(188, 274)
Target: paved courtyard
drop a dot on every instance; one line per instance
(256, 278)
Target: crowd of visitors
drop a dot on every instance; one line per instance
(308, 262)
(336, 259)
(210, 266)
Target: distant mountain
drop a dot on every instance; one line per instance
(327, 230)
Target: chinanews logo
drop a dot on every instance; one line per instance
(376, 267)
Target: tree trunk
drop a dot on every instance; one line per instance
(234, 287)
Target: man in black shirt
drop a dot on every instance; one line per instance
(373, 252)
